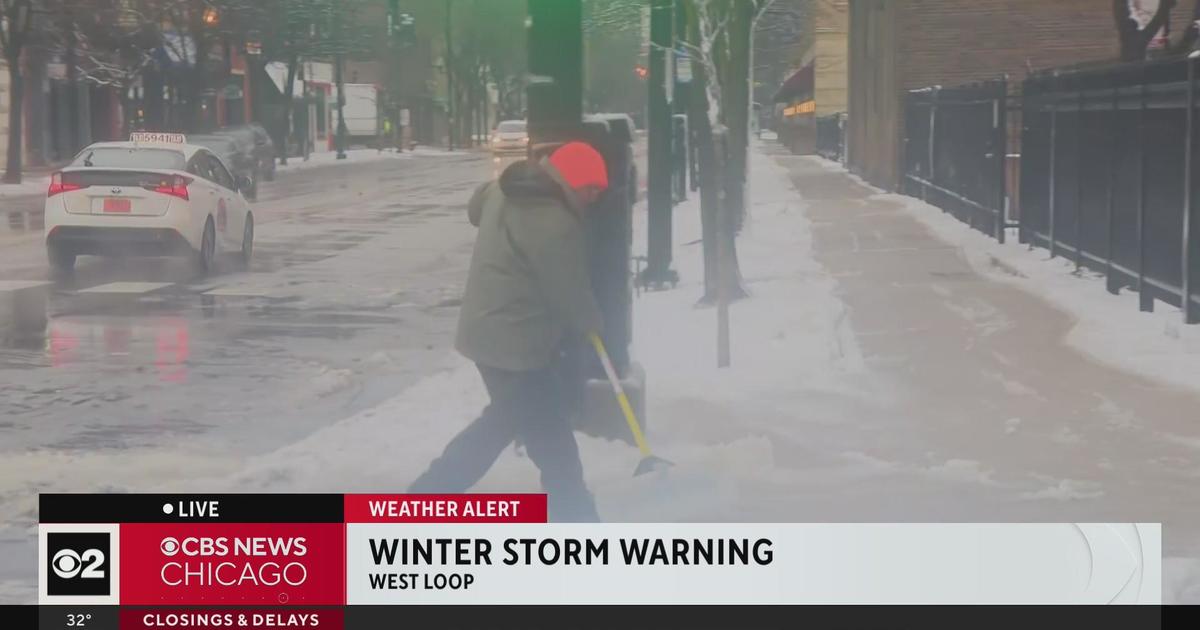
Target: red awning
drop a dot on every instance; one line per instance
(799, 86)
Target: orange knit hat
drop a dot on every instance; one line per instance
(580, 165)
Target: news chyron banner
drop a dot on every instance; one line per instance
(354, 561)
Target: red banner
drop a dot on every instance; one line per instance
(225, 618)
(445, 508)
(254, 564)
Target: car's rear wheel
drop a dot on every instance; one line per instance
(247, 252)
(206, 257)
(61, 261)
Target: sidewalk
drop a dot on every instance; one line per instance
(1080, 410)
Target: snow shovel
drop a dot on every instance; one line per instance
(650, 462)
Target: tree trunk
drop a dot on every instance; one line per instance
(485, 118)
(1133, 41)
(198, 77)
(1192, 33)
(127, 106)
(73, 131)
(706, 156)
(152, 100)
(16, 100)
(467, 100)
(736, 71)
(340, 132)
(288, 104)
(735, 90)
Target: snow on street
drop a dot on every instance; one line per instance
(880, 373)
(143, 376)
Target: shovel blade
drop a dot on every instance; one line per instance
(650, 464)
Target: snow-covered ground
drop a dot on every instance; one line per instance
(791, 338)
(30, 185)
(329, 158)
(36, 184)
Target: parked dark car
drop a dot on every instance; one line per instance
(624, 129)
(241, 163)
(253, 140)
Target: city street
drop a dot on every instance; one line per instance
(880, 372)
(145, 375)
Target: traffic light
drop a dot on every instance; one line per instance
(402, 27)
(641, 71)
(408, 29)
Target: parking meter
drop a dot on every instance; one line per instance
(679, 156)
(555, 98)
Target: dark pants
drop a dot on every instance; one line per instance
(530, 407)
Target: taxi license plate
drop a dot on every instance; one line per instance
(117, 205)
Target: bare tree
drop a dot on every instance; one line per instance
(1135, 38)
(16, 25)
(720, 42)
(1191, 34)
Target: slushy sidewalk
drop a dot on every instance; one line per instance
(1057, 399)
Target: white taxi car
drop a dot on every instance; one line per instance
(155, 195)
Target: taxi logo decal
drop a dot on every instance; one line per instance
(157, 137)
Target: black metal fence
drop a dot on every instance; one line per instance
(831, 136)
(955, 149)
(1109, 175)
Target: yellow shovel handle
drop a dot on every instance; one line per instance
(622, 399)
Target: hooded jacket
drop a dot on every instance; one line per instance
(528, 286)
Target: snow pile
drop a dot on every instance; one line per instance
(29, 187)
(36, 185)
(1109, 328)
(329, 158)
(24, 474)
(789, 339)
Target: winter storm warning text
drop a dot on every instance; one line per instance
(442, 554)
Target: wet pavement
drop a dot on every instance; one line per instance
(135, 372)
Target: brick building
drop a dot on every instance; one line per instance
(818, 87)
(898, 45)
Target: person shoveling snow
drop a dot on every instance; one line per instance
(528, 294)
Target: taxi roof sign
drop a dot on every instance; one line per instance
(157, 137)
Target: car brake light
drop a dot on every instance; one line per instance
(176, 187)
(57, 185)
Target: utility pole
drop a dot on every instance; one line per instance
(340, 138)
(449, 75)
(660, 200)
(555, 93)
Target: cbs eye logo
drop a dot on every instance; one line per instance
(78, 564)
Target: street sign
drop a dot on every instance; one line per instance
(683, 67)
(666, 75)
